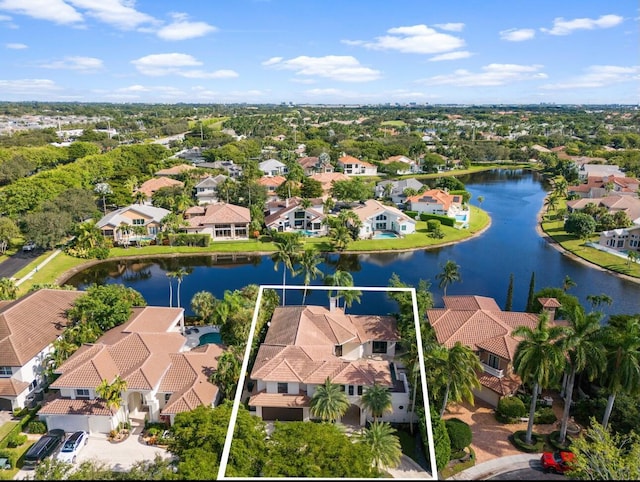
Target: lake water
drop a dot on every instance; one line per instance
(511, 245)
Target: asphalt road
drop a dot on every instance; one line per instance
(15, 263)
(528, 474)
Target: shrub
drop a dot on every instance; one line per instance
(37, 426)
(460, 434)
(412, 214)
(545, 415)
(433, 225)
(518, 439)
(510, 409)
(447, 221)
(9, 455)
(442, 445)
(553, 437)
(16, 439)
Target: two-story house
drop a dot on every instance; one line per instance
(28, 328)
(479, 323)
(148, 352)
(117, 224)
(154, 184)
(410, 166)
(306, 344)
(352, 166)
(221, 221)
(271, 184)
(376, 217)
(293, 216)
(315, 165)
(396, 189)
(273, 167)
(207, 189)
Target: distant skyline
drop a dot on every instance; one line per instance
(321, 51)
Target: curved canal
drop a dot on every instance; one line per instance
(511, 245)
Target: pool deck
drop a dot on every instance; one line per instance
(194, 338)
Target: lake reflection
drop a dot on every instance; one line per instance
(511, 245)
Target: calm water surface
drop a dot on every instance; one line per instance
(510, 245)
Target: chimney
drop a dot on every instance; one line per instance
(286, 203)
(549, 306)
(333, 302)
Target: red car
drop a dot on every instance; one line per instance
(558, 462)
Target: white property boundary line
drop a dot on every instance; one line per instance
(245, 362)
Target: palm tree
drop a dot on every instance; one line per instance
(632, 257)
(179, 275)
(228, 371)
(329, 402)
(538, 359)
(376, 399)
(309, 261)
(169, 275)
(8, 289)
(551, 202)
(622, 372)
(111, 393)
(384, 444)
(597, 300)
(286, 254)
(139, 197)
(339, 278)
(567, 283)
(582, 344)
(461, 366)
(450, 273)
(203, 305)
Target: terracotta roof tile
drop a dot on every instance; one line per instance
(32, 322)
(274, 181)
(153, 184)
(283, 400)
(175, 170)
(66, 406)
(10, 387)
(503, 386)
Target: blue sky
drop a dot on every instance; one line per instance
(320, 51)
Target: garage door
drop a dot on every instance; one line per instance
(67, 423)
(5, 404)
(282, 414)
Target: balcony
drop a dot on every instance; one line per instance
(493, 371)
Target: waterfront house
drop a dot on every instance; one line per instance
(436, 201)
(376, 217)
(479, 323)
(306, 344)
(148, 352)
(293, 216)
(587, 170)
(622, 239)
(28, 328)
(613, 203)
(117, 224)
(221, 221)
(352, 166)
(601, 186)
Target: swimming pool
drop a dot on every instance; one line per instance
(306, 232)
(461, 217)
(384, 235)
(208, 338)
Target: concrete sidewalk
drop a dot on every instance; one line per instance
(498, 466)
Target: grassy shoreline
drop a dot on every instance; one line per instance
(63, 266)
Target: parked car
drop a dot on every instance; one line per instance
(30, 246)
(558, 462)
(72, 446)
(43, 448)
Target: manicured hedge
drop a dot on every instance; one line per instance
(518, 440)
(412, 214)
(460, 434)
(510, 409)
(446, 220)
(18, 428)
(545, 415)
(553, 437)
(183, 239)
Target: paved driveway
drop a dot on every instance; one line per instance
(120, 456)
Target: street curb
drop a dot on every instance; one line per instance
(497, 466)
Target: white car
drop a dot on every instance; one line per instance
(30, 246)
(72, 446)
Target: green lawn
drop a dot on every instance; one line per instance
(408, 444)
(555, 229)
(7, 427)
(19, 456)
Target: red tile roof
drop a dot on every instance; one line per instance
(66, 406)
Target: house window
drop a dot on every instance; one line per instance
(82, 393)
(167, 396)
(379, 347)
(299, 214)
(350, 389)
(6, 372)
(241, 232)
(138, 222)
(403, 227)
(494, 361)
(359, 389)
(222, 231)
(338, 350)
(33, 385)
(283, 387)
(381, 217)
(343, 388)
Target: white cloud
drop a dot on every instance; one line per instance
(460, 54)
(4, 18)
(16, 46)
(28, 86)
(336, 67)
(182, 29)
(174, 64)
(416, 39)
(598, 76)
(118, 13)
(53, 10)
(517, 34)
(84, 64)
(451, 27)
(491, 75)
(134, 88)
(565, 27)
